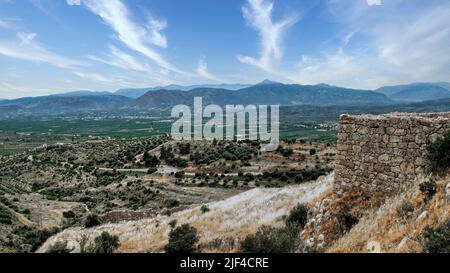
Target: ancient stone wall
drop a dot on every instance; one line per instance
(383, 153)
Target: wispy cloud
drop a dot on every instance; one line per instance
(11, 90)
(374, 2)
(3, 24)
(155, 27)
(138, 38)
(26, 48)
(120, 59)
(73, 2)
(258, 14)
(411, 47)
(109, 80)
(202, 71)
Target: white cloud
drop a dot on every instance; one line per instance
(202, 71)
(26, 38)
(10, 91)
(419, 46)
(397, 47)
(374, 2)
(258, 14)
(3, 24)
(155, 27)
(73, 2)
(108, 80)
(30, 50)
(138, 38)
(122, 60)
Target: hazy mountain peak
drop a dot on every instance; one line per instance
(268, 82)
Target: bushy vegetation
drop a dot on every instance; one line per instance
(59, 248)
(429, 188)
(270, 240)
(5, 215)
(92, 220)
(182, 239)
(204, 209)
(105, 243)
(278, 239)
(231, 151)
(439, 153)
(298, 217)
(346, 220)
(31, 238)
(297, 176)
(437, 240)
(150, 161)
(405, 209)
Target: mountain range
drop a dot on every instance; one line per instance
(264, 93)
(417, 92)
(137, 92)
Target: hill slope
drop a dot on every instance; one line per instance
(269, 94)
(416, 92)
(52, 104)
(219, 228)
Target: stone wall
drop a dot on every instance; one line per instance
(382, 153)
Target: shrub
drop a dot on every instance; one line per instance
(438, 240)
(204, 209)
(287, 152)
(173, 223)
(298, 217)
(152, 170)
(92, 220)
(299, 178)
(182, 240)
(429, 188)
(179, 174)
(59, 248)
(270, 240)
(312, 152)
(346, 220)
(69, 214)
(5, 215)
(171, 203)
(34, 238)
(105, 243)
(439, 153)
(150, 161)
(405, 209)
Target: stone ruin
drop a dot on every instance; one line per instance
(382, 153)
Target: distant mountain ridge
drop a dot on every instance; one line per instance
(137, 92)
(82, 93)
(417, 92)
(267, 93)
(52, 104)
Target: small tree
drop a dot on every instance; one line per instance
(270, 240)
(92, 220)
(437, 240)
(298, 217)
(439, 153)
(150, 161)
(59, 248)
(429, 188)
(182, 240)
(105, 243)
(204, 209)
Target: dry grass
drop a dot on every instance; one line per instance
(220, 229)
(393, 230)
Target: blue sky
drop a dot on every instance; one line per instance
(50, 46)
